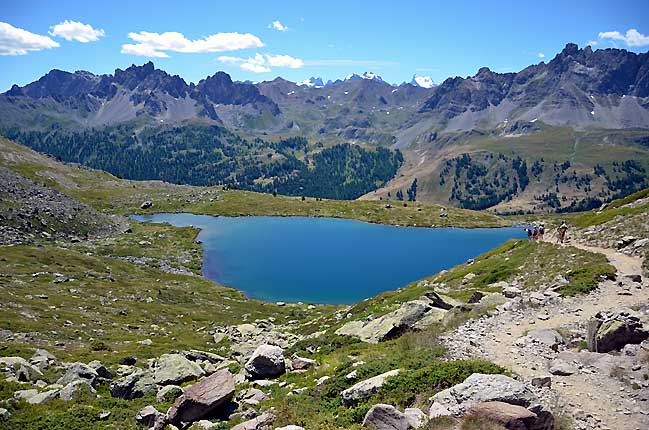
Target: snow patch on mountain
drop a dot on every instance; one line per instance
(422, 81)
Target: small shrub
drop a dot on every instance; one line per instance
(98, 345)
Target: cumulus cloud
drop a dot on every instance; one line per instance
(278, 26)
(155, 44)
(16, 41)
(632, 37)
(74, 30)
(540, 55)
(262, 63)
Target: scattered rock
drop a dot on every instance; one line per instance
(366, 388)
(262, 422)
(479, 388)
(561, 368)
(43, 397)
(542, 381)
(266, 362)
(76, 389)
(436, 411)
(175, 369)
(146, 204)
(387, 417)
(509, 416)
(203, 398)
(148, 416)
(551, 338)
(302, 364)
(20, 369)
(134, 385)
(79, 371)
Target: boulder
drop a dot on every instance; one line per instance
(542, 381)
(43, 397)
(479, 388)
(252, 396)
(436, 411)
(134, 385)
(385, 417)
(76, 389)
(511, 417)
(78, 371)
(175, 369)
(610, 331)
(168, 393)
(101, 370)
(300, 364)
(24, 395)
(512, 292)
(366, 388)
(203, 398)
(416, 418)
(415, 314)
(266, 362)
(146, 204)
(262, 422)
(561, 367)
(196, 355)
(43, 359)
(148, 416)
(20, 369)
(548, 337)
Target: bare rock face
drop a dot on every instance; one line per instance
(611, 331)
(148, 416)
(511, 417)
(203, 398)
(266, 362)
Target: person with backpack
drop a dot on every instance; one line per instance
(535, 234)
(541, 231)
(528, 230)
(563, 229)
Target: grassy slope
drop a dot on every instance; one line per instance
(83, 315)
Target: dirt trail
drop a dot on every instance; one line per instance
(602, 401)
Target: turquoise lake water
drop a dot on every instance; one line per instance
(327, 260)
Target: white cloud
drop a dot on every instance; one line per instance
(262, 63)
(540, 55)
(278, 26)
(591, 43)
(284, 61)
(74, 30)
(155, 44)
(16, 41)
(632, 37)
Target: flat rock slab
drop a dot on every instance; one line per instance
(366, 388)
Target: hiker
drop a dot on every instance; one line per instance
(541, 231)
(528, 230)
(563, 228)
(535, 235)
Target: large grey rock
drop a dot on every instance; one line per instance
(24, 395)
(175, 369)
(416, 418)
(412, 315)
(102, 371)
(561, 367)
(366, 388)
(266, 362)
(610, 331)
(20, 369)
(548, 337)
(134, 385)
(148, 416)
(509, 416)
(385, 417)
(262, 422)
(43, 397)
(76, 389)
(479, 388)
(197, 355)
(43, 359)
(79, 371)
(436, 411)
(300, 364)
(203, 398)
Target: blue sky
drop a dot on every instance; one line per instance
(331, 39)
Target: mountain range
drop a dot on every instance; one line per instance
(461, 139)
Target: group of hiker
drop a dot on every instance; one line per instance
(537, 232)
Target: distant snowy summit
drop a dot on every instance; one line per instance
(317, 82)
(422, 81)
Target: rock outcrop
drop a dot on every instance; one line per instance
(611, 331)
(266, 362)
